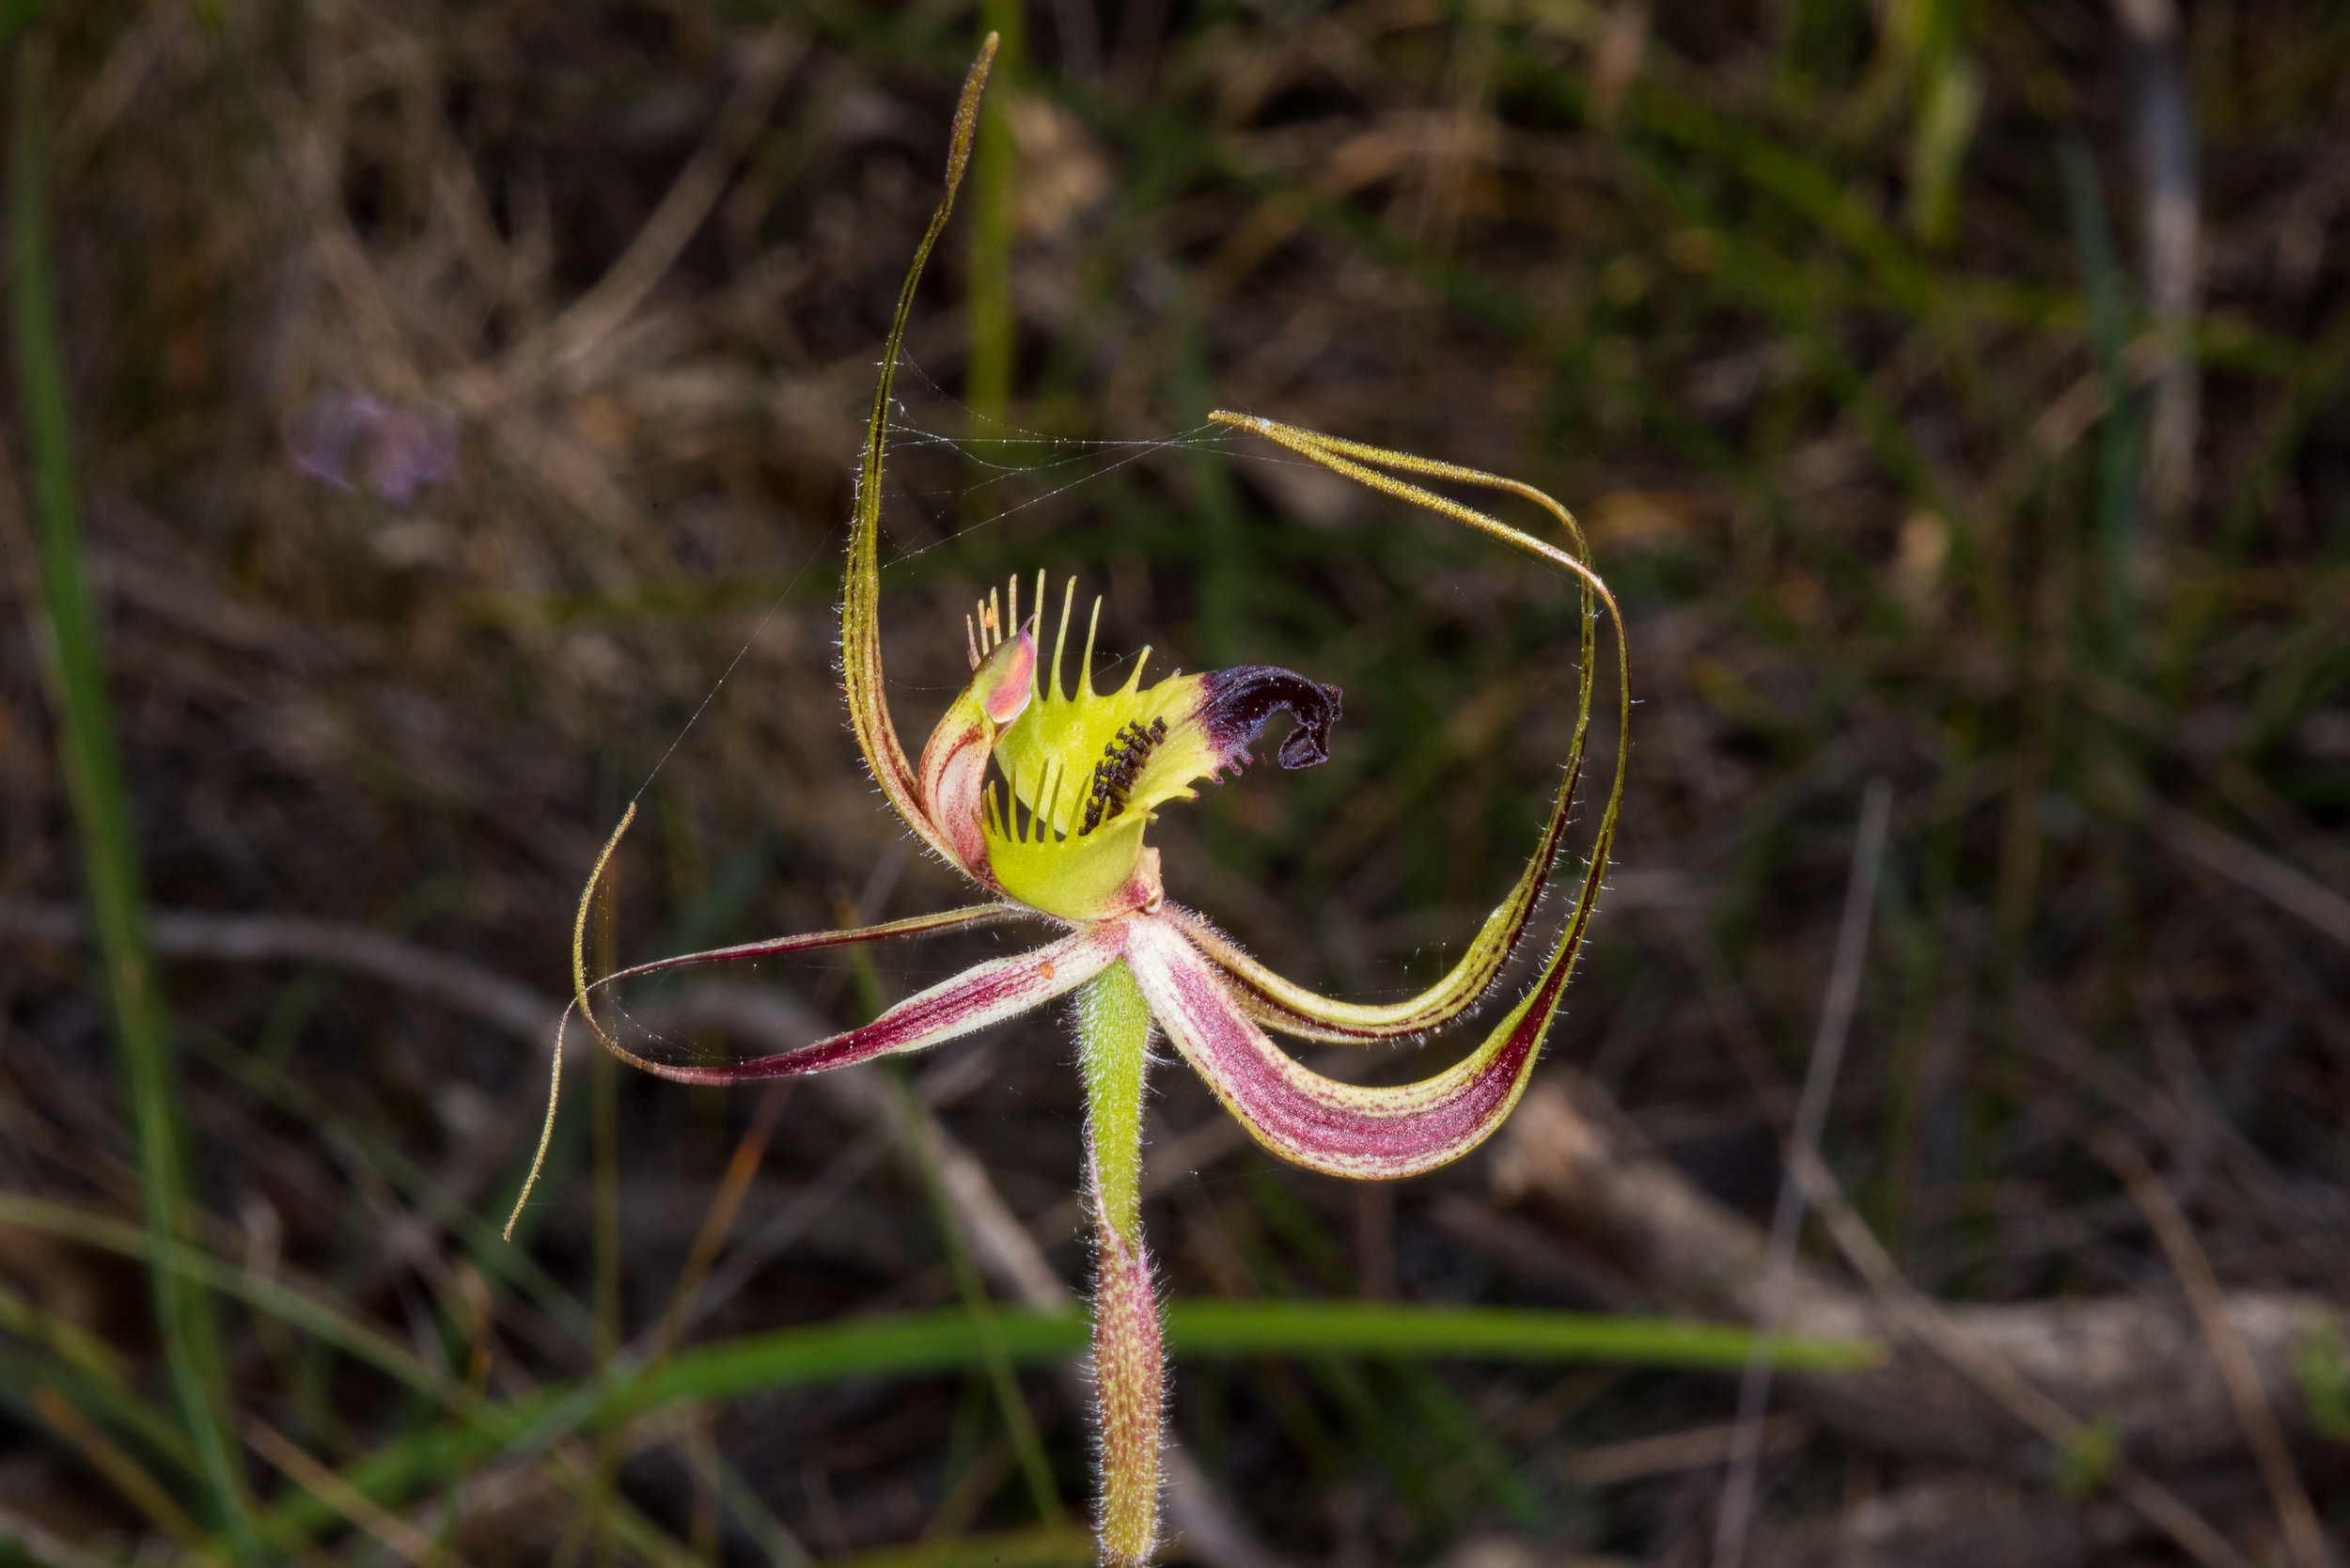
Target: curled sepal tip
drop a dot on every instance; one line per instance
(1281, 1004)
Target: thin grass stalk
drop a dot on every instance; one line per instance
(2118, 476)
(67, 636)
(987, 1327)
(605, 1077)
(122, 1471)
(324, 1319)
(1819, 1086)
(505, 1267)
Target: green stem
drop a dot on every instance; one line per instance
(1129, 1358)
(67, 638)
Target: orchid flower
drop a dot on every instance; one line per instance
(1040, 789)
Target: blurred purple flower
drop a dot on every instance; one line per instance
(355, 441)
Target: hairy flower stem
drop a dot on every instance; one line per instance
(1129, 1379)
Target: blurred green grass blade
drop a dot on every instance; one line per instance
(87, 1372)
(752, 1516)
(499, 1263)
(92, 766)
(916, 1342)
(1031, 1548)
(1949, 104)
(1498, 1333)
(1470, 1449)
(192, 1267)
(987, 1328)
(17, 15)
(102, 1400)
(910, 1344)
(2118, 461)
(900, 1344)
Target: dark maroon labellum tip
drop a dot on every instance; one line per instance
(1238, 701)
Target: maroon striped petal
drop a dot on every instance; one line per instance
(990, 993)
(1339, 1128)
(970, 918)
(954, 762)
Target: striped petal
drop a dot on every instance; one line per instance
(1280, 1004)
(939, 1018)
(860, 593)
(954, 762)
(1340, 1129)
(990, 993)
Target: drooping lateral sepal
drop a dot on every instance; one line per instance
(990, 993)
(1340, 1129)
(584, 993)
(1281, 1004)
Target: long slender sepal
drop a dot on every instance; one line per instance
(860, 596)
(583, 992)
(1129, 1356)
(1340, 1129)
(579, 990)
(1280, 1004)
(989, 993)
(971, 917)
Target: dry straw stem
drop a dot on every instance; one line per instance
(413, 1545)
(1926, 1322)
(1803, 1144)
(1569, 1155)
(2303, 1536)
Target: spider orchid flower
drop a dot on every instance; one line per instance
(1041, 791)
